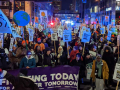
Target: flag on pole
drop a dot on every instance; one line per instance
(5, 25)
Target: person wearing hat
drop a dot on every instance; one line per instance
(48, 41)
(42, 46)
(22, 82)
(47, 61)
(21, 51)
(108, 56)
(100, 73)
(28, 61)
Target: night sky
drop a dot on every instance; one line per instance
(66, 4)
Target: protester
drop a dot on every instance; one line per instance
(20, 83)
(100, 73)
(109, 58)
(42, 46)
(28, 61)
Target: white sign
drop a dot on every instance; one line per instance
(54, 37)
(31, 34)
(5, 25)
(11, 44)
(76, 30)
(60, 33)
(117, 72)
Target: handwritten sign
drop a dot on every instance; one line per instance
(5, 26)
(11, 44)
(117, 72)
(54, 37)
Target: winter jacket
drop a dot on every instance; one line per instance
(27, 62)
(105, 71)
(73, 55)
(20, 83)
(47, 60)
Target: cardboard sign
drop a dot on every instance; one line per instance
(109, 35)
(102, 30)
(11, 44)
(60, 33)
(86, 37)
(54, 37)
(21, 18)
(5, 25)
(116, 75)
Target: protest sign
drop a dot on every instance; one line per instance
(54, 37)
(107, 18)
(48, 78)
(43, 16)
(31, 34)
(92, 53)
(88, 29)
(89, 69)
(5, 26)
(102, 30)
(76, 30)
(108, 27)
(60, 33)
(81, 31)
(116, 75)
(86, 37)
(21, 18)
(14, 33)
(113, 30)
(67, 35)
(11, 44)
(95, 27)
(109, 35)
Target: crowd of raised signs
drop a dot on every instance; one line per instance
(61, 45)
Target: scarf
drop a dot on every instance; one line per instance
(99, 66)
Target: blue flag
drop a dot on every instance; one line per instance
(86, 37)
(109, 35)
(5, 25)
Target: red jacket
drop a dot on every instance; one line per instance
(73, 55)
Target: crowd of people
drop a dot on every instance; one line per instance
(43, 52)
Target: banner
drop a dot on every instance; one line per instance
(43, 16)
(54, 37)
(86, 36)
(49, 78)
(60, 33)
(11, 44)
(109, 35)
(116, 75)
(5, 25)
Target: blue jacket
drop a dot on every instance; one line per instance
(27, 62)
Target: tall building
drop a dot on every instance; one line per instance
(98, 9)
(57, 5)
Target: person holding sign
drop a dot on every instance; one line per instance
(100, 73)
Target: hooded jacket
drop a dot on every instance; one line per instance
(20, 83)
(27, 62)
(73, 55)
